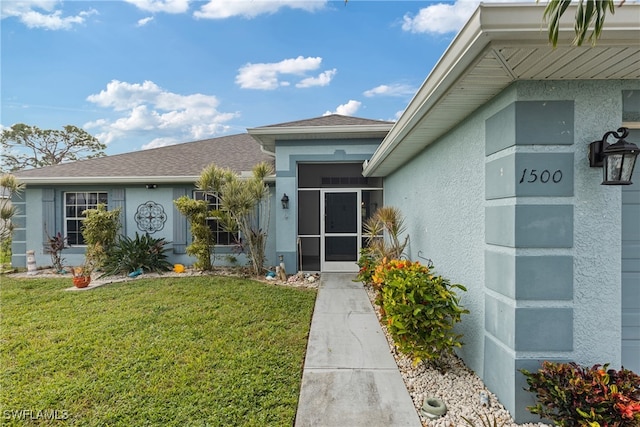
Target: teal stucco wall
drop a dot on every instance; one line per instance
(288, 155)
(539, 251)
(44, 205)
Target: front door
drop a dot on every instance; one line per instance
(340, 237)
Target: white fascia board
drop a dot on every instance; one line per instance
(267, 136)
(108, 180)
(492, 23)
(448, 68)
(122, 180)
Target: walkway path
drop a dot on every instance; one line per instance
(350, 378)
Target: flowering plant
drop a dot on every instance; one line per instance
(572, 395)
(420, 308)
(83, 270)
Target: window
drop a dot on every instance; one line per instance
(75, 203)
(221, 236)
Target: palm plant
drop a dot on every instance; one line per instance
(589, 13)
(383, 230)
(245, 207)
(10, 185)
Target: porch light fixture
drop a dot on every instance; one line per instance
(151, 186)
(617, 160)
(285, 201)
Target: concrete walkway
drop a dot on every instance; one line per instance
(350, 378)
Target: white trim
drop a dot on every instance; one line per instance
(491, 26)
(111, 180)
(340, 266)
(267, 136)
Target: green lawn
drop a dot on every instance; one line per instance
(193, 351)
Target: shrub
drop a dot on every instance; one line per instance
(142, 252)
(100, 232)
(203, 245)
(245, 207)
(367, 264)
(382, 231)
(419, 308)
(55, 246)
(572, 395)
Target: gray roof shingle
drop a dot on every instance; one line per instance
(331, 120)
(237, 152)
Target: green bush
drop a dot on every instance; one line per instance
(419, 308)
(203, 245)
(142, 252)
(382, 231)
(367, 263)
(100, 232)
(573, 395)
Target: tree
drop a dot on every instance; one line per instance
(25, 146)
(203, 244)
(245, 204)
(589, 13)
(9, 186)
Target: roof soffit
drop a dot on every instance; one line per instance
(501, 44)
(268, 135)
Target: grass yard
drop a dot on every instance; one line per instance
(193, 351)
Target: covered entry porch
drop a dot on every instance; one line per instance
(334, 202)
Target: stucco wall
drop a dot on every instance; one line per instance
(288, 155)
(31, 236)
(442, 194)
(597, 218)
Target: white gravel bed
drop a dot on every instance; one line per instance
(458, 387)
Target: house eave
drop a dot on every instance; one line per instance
(267, 136)
(107, 180)
(122, 180)
(493, 30)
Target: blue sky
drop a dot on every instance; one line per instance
(139, 74)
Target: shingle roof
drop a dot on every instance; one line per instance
(331, 120)
(179, 162)
(332, 127)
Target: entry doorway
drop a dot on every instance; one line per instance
(340, 230)
(333, 202)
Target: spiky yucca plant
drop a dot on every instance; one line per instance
(383, 230)
(245, 206)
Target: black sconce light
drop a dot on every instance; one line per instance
(151, 186)
(285, 201)
(617, 160)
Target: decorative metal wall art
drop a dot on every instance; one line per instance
(150, 217)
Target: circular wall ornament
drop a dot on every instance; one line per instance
(150, 217)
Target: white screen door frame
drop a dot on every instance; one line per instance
(340, 229)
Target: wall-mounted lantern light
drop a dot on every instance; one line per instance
(285, 201)
(617, 160)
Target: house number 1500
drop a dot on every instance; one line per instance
(533, 175)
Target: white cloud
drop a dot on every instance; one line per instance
(443, 18)
(395, 89)
(144, 21)
(166, 6)
(266, 76)
(323, 79)
(440, 18)
(221, 9)
(148, 108)
(348, 109)
(43, 14)
(160, 142)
